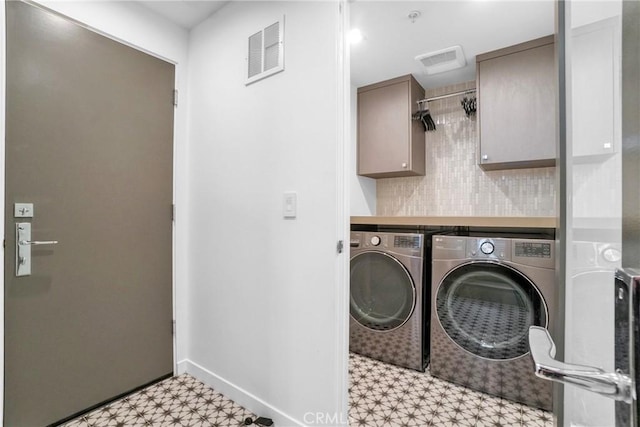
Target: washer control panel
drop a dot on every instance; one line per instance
(411, 244)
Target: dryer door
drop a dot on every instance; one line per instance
(383, 294)
(487, 309)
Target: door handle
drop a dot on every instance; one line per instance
(38, 242)
(23, 248)
(615, 385)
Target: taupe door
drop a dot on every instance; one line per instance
(89, 131)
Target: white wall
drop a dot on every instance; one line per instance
(265, 328)
(136, 26)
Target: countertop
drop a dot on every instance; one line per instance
(462, 221)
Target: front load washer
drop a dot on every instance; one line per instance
(388, 288)
(486, 294)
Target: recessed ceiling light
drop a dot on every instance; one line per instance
(355, 36)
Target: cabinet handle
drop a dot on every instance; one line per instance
(485, 157)
(404, 166)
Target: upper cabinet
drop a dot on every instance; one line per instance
(517, 106)
(390, 143)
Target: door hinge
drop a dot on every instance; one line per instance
(175, 97)
(340, 246)
(173, 213)
(173, 327)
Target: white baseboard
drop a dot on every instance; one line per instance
(237, 394)
(181, 367)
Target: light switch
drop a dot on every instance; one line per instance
(23, 210)
(290, 208)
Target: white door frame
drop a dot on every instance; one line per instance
(3, 85)
(561, 204)
(344, 202)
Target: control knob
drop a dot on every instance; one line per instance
(375, 240)
(611, 255)
(487, 248)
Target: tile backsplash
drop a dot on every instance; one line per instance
(454, 185)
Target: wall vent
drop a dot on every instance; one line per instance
(442, 60)
(266, 52)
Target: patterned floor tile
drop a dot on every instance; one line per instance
(380, 395)
(535, 417)
(178, 401)
(409, 398)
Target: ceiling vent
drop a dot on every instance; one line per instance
(442, 60)
(265, 56)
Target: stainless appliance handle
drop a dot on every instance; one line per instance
(615, 385)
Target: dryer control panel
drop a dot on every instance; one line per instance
(532, 249)
(533, 252)
(486, 248)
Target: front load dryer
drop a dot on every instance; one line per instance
(486, 293)
(387, 307)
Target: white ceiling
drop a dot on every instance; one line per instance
(392, 41)
(186, 13)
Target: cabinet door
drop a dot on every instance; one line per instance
(383, 129)
(390, 143)
(594, 77)
(517, 109)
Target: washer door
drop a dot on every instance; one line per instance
(487, 309)
(383, 294)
